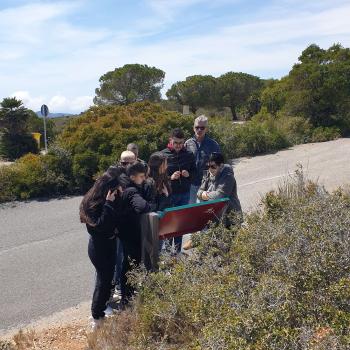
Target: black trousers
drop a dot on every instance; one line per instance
(102, 253)
(132, 257)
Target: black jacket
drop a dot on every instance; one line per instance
(105, 218)
(178, 161)
(158, 202)
(133, 205)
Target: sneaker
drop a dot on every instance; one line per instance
(109, 311)
(95, 323)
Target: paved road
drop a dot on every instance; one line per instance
(44, 266)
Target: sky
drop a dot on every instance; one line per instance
(54, 52)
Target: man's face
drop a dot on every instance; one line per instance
(138, 179)
(177, 143)
(135, 151)
(200, 129)
(125, 161)
(213, 168)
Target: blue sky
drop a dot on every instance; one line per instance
(54, 52)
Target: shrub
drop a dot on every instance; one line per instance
(15, 146)
(322, 134)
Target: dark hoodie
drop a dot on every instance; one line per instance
(178, 161)
(133, 205)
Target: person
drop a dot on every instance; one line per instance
(99, 210)
(133, 205)
(181, 170)
(134, 148)
(219, 182)
(127, 158)
(201, 145)
(158, 181)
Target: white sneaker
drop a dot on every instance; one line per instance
(117, 295)
(95, 323)
(109, 311)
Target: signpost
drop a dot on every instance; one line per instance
(174, 222)
(44, 110)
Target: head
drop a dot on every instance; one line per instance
(215, 163)
(127, 158)
(96, 196)
(157, 164)
(157, 170)
(136, 173)
(134, 148)
(177, 139)
(200, 126)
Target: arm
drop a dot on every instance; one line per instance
(138, 204)
(204, 185)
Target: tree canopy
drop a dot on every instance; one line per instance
(128, 84)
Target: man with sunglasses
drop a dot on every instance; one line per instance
(181, 170)
(201, 145)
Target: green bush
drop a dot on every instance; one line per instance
(37, 175)
(279, 282)
(14, 146)
(322, 134)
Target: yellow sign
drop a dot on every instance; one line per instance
(37, 136)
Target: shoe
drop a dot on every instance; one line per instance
(109, 311)
(95, 323)
(188, 245)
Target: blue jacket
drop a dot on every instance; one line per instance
(201, 153)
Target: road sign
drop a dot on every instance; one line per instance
(44, 110)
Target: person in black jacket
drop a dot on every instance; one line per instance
(181, 171)
(133, 205)
(99, 210)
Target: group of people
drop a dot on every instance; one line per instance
(185, 172)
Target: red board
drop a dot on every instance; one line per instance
(189, 218)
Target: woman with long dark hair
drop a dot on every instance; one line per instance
(158, 179)
(99, 210)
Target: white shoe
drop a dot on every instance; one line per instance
(95, 323)
(109, 311)
(117, 295)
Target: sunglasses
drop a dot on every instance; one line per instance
(199, 127)
(125, 163)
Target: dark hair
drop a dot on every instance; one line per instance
(155, 161)
(136, 168)
(178, 133)
(96, 196)
(217, 158)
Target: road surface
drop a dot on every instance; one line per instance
(44, 266)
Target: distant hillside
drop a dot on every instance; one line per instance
(56, 115)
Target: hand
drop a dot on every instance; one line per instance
(185, 173)
(176, 175)
(205, 196)
(111, 196)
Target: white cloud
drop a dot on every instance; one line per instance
(56, 104)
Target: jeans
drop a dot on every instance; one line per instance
(193, 194)
(119, 262)
(102, 255)
(178, 199)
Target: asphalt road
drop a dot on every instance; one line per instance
(44, 266)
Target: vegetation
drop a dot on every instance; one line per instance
(279, 282)
(130, 83)
(15, 139)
